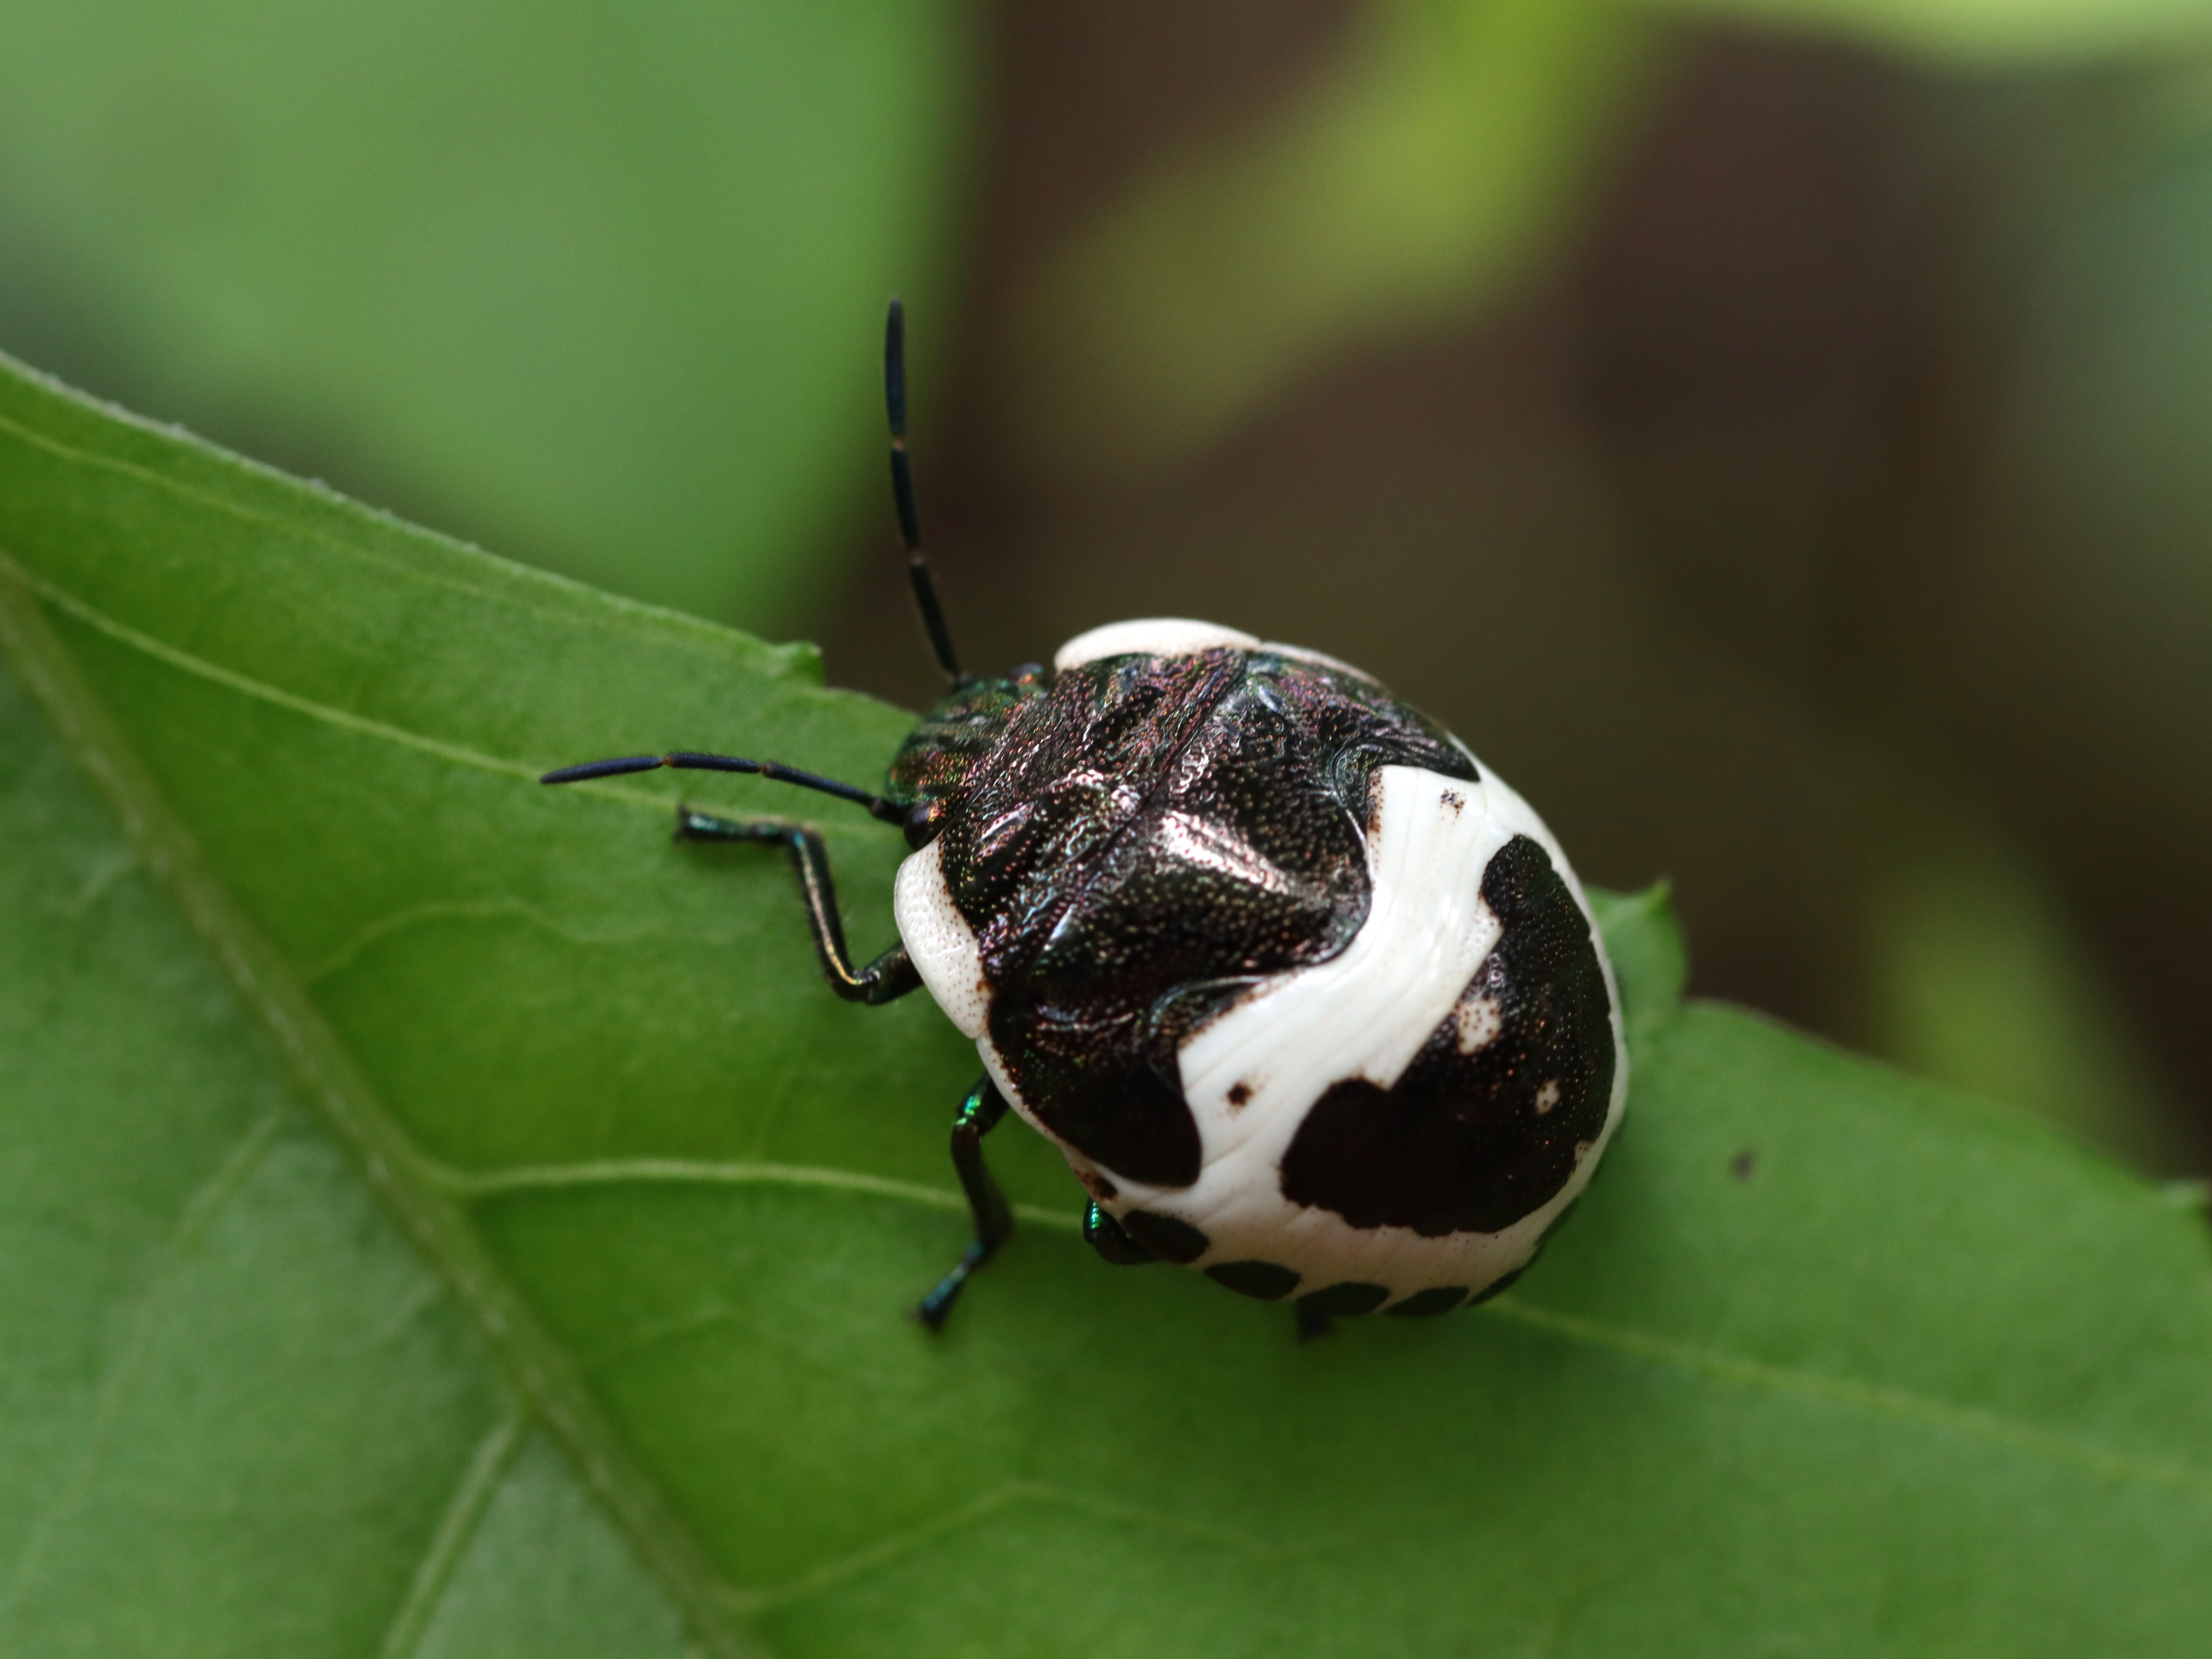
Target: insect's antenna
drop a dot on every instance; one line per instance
(683, 760)
(909, 519)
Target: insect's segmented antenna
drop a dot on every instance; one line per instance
(684, 760)
(909, 518)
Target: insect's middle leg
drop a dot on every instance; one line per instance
(994, 1217)
(889, 977)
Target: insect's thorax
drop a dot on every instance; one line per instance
(932, 768)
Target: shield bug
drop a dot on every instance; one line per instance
(1309, 1000)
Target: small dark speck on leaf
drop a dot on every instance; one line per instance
(1743, 1165)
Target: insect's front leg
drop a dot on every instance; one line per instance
(978, 1116)
(890, 975)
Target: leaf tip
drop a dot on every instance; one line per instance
(1644, 938)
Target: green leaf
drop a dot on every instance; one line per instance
(443, 1217)
(594, 281)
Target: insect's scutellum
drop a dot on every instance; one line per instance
(1309, 999)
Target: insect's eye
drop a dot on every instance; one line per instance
(921, 824)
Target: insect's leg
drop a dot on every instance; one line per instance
(994, 1219)
(889, 976)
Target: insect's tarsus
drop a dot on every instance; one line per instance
(684, 760)
(987, 1206)
(910, 516)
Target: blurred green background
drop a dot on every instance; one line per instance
(1777, 435)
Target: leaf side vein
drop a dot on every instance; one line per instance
(456, 1530)
(194, 1217)
(688, 1171)
(199, 667)
(1874, 1398)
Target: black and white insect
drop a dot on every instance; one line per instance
(1308, 997)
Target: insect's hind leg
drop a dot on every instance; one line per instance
(889, 977)
(978, 1116)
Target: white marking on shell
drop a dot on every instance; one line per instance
(1288, 1040)
(1364, 1013)
(1367, 1011)
(940, 941)
(1547, 1096)
(1150, 637)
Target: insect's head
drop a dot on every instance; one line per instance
(931, 765)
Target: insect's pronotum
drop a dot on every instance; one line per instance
(1309, 1000)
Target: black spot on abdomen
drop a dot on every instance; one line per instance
(1266, 1280)
(1167, 1236)
(1473, 1142)
(1349, 1299)
(1428, 1304)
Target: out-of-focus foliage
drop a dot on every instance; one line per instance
(594, 282)
(1979, 980)
(1412, 182)
(1976, 32)
(2103, 455)
(1435, 162)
